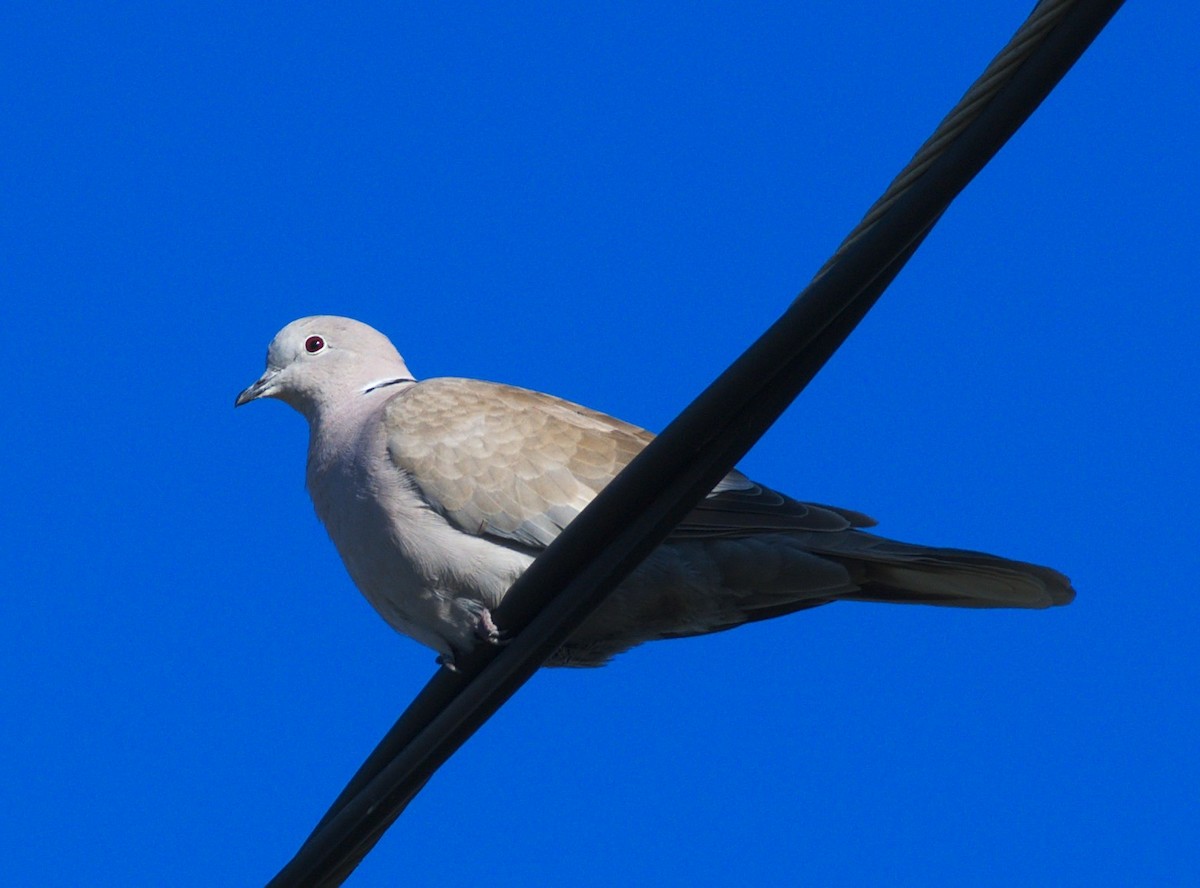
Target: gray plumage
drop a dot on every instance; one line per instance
(439, 493)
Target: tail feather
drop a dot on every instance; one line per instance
(885, 570)
(697, 587)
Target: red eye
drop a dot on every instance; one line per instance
(314, 344)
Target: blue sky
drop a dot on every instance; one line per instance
(607, 203)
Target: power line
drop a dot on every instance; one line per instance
(631, 516)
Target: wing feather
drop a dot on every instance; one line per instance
(518, 466)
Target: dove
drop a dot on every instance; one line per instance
(439, 493)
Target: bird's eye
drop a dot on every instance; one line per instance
(314, 344)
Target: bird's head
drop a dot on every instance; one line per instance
(319, 362)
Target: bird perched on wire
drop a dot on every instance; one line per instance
(438, 494)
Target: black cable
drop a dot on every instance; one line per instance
(640, 507)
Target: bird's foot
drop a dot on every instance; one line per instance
(487, 631)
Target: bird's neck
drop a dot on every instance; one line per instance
(337, 424)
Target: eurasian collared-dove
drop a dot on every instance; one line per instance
(439, 493)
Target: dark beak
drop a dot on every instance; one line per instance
(264, 386)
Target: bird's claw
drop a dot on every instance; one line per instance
(487, 631)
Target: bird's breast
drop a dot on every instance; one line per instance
(409, 562)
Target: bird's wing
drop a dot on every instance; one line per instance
(518, 465)
(738, 506)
